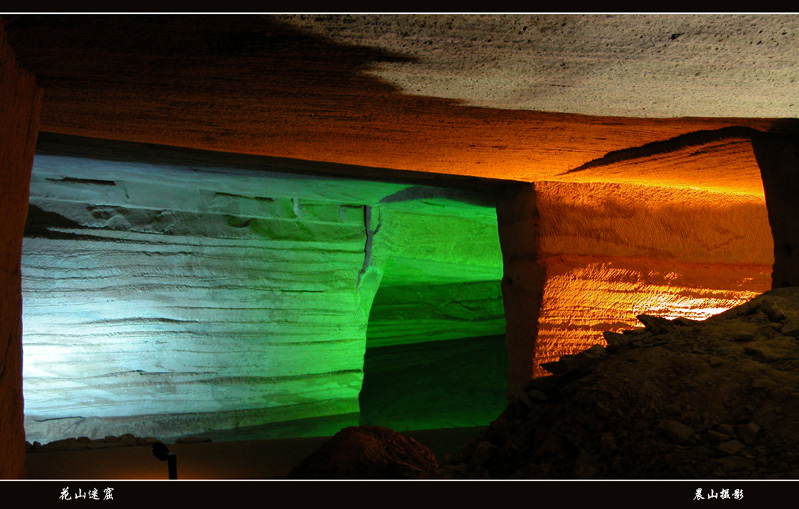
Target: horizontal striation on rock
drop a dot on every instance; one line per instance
(174, 298)
(585, 296)
(441, 278)
(98, 396)
(720, 160)
(442, 384)
(287, 421)
(419, 313)
(144, 298)
(605, 253)
(687, 225)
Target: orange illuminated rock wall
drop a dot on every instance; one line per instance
(604, 253)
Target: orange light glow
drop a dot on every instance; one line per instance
(614, 251)
(585, 299)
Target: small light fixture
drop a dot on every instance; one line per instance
(161, 452)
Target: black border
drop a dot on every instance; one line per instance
(528, 493)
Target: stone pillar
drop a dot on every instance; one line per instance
(778, 158)
(20, 103)
(523, 281)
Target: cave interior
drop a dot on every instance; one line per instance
(277, 226)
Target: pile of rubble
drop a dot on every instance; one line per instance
(676, 399)
(367, 452)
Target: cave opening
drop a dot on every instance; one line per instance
(180, 294)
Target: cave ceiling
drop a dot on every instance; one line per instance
(656, 99)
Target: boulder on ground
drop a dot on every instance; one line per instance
(367, 452)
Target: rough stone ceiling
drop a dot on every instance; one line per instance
(518, 96)
(624, 65)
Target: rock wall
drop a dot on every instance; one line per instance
(195, 297)
(599, 254)
(20, 103)
(457, 383)
(437, 323)
(442, 278)
(168, 299)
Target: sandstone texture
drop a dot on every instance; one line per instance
(492, 96)
(582, 63)
(675, 399)
(173, 293)
(584, 258)
(641, 133)
(166, 298)
(403, 384)
(675, 252)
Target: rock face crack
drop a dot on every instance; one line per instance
(367, 249)
(68, 417)
(82, 181)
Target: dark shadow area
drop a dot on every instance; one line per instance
(458, 383)
(250, 55)
(196, 80)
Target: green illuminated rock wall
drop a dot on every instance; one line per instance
(168, 300)
(157, 305)
(442, 278)
(436, 354)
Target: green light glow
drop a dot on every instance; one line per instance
(165, 301)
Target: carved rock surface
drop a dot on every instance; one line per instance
(164, 298)
(316, 88)
(592, 256)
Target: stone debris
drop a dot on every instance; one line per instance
(791, 327)
(676, 431)
(678, 399)
(373, 452)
